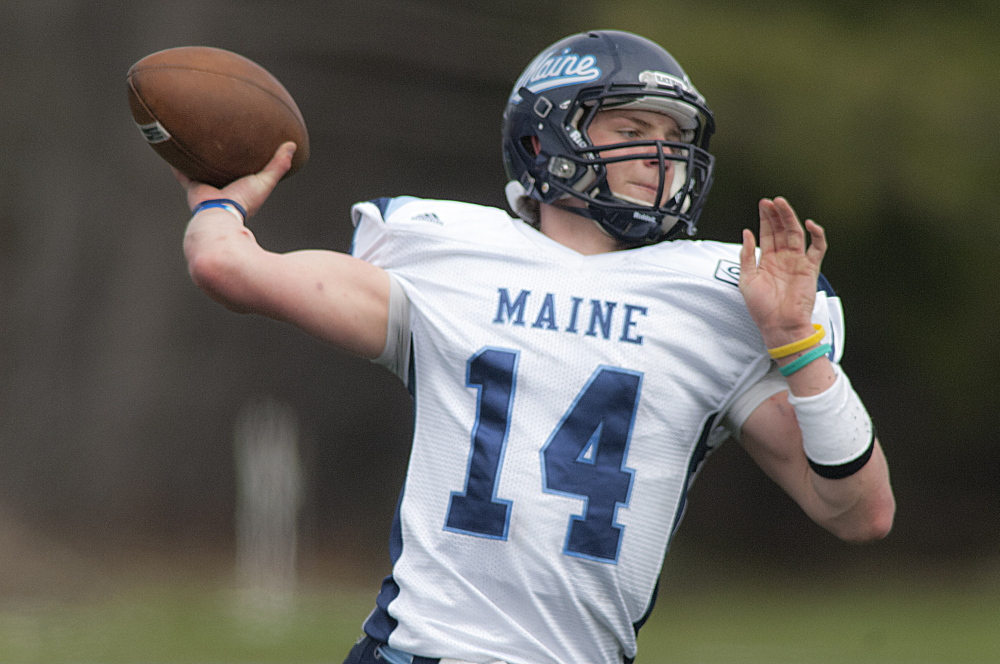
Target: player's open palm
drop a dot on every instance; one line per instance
(250, 191)
(780, 287)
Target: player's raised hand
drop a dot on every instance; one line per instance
(780, 288)
(250, 191)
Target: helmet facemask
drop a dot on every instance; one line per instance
(581, 172)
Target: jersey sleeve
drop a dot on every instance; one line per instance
(396, 356)
(372, 234)
(372, 244)
(828, 312)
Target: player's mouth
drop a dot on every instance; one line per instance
(639, 193)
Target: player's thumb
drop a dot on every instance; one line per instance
(281, 161)
(254, 189)
(277, 167)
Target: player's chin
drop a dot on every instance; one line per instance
(638, 196)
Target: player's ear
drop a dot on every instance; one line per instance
(536, 145)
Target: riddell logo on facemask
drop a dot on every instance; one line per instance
(577, 138)
(644, 217)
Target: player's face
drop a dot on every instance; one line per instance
(634, 180)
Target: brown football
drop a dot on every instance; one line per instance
(212, 114)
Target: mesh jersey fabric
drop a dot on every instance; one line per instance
(563, 405)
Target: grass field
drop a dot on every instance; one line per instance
(908, 620)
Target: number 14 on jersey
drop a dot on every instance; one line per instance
(584, 457)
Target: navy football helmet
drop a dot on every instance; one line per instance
(549, 156)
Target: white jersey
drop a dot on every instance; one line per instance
(563, 405)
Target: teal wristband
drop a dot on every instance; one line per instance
(814, 354)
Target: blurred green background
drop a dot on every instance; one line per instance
(121, 386)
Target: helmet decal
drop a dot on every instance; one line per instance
(555, 71)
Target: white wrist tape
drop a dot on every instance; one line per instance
(837, 433)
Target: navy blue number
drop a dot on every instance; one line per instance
(477, 511)
(585, 457)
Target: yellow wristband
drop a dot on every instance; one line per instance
(801, 344)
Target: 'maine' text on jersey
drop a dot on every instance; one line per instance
(576, 315)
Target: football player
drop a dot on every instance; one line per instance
(572, 367)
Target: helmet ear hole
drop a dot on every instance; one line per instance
(531, 145)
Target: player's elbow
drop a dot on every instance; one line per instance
(219, 271)
(880, 524)
(872, 524)
(869, 532)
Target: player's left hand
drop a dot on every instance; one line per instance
(780, 288)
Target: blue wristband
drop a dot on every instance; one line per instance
(225, 204)
(814, 354)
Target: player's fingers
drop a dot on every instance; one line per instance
(189, 185)
(180, 177)
(748, 255)
(765, 209)
(788, 231)
(817, 241)
(196, 191)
